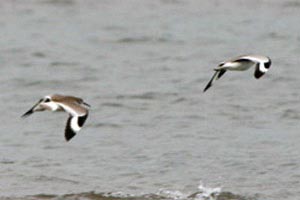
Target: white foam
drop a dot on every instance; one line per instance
(172, 194)
(203, 193)
(207, 193)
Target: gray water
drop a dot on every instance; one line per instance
(151, 132)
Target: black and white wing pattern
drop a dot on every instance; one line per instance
(74, 124)
(77, 117)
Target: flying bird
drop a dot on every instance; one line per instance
(242, 63)
(76, 107)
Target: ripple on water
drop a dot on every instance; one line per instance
(59, 2)
(112, 104)
(202, 193)
(148, 39)
(162, 194)
(146, 95)
(108, 125)
(39, 54)
(44, 178)
(290, 114)
(6, 161)
(62, 63)
(291, 4)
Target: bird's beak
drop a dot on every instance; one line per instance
(86, 104)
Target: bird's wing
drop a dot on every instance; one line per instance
(209, 84)
(258, 73)
(74, 124)
(69, 132)
(256, 58)
(78, 115)
(73, 108)
(221, 73)
(31, 110)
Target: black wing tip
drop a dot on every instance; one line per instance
(69, 136)
(258, 74)
(27, 114)
(221, 73)
(207, 87)
(210, 83)
(69, 133)
(82, 119)
(258, 77)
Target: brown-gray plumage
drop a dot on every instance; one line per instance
(76, 107)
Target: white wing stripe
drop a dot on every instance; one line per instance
(262, 67)
(74, 124)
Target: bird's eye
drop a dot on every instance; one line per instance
(47, 100)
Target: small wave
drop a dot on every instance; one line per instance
(290, 114)
(146, 95)
(59, 2)
(203, 193)
(44, 178)
(206, 193)
(62, 63)
(274, 36)
(115, 105)
(38, 54)
(291, 4)
(175, 195)
(6, 161)
(114, 28)
(134, 39)
(179, 100)
(109, 125)
(147, 39)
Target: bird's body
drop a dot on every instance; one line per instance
(75, 106)
(242, 63)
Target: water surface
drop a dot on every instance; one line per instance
(151, 133)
